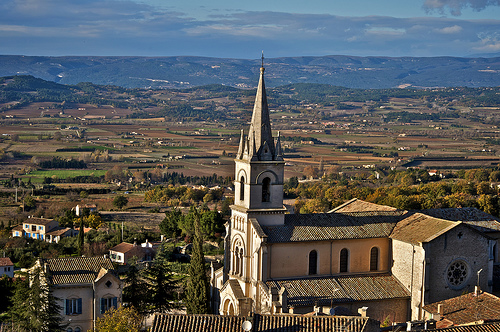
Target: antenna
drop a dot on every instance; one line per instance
(247, 325)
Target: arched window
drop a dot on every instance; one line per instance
(236, 261)
(313, 262)
(241, 262)
(374, 259)
(266, 192)
(242, 188)
(77, 329)
(344, 260)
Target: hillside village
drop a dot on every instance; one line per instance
(258, 250)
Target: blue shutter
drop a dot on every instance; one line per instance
(103, 305)
(79, 306)
(115, 302)
(67, 306)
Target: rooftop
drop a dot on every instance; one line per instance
(334, 226)
(261, 323)
(5, 261)
(37, 221)
(420, 228)
(76, 270)
(340, 289)
(468, 308)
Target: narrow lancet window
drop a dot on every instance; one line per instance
(242, 188)
(313, 262)
(266, 190)
(344, 260)
(374, 259)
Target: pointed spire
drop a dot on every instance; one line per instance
(279, 151)
(260, 127)
(241, 148)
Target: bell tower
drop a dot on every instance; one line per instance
(259, 165)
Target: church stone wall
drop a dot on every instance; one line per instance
(408, 265)
(459, 244)
(292, 259)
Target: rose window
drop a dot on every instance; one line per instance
(457, 274)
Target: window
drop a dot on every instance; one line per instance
(33, 228)
(242, 188)
(77, 329)
(313, 262)
(108, 303)
(344, 260)
(374, 259)
(69, 329)
(457, 274)
(73, 306)
(266, 192)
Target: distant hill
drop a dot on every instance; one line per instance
(184, 72)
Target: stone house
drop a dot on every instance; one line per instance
(86, 288)
(123, 252)
(359, 255)
(6, 267)
(43, 229)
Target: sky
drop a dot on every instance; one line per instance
(242, 29)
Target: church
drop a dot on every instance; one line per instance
(361, 257)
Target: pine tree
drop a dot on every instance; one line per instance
(161, 286)
(34, 306)
(197, 299)
(135, 291)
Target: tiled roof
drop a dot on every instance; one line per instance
(261, 323)
(123, 247)
(468, 308)
(493, 327)
(474, 217)
(76, 270)
(340, 289)
(58, 231)
(38, 221)
(5, 261)
(334, 226)
(357, 205)
(18, 228)
(419, 228)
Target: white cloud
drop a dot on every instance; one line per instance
(455, 7)
(450, 30)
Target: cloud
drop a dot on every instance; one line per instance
(455, 7)
(125, 27)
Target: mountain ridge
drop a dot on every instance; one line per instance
(189, 71)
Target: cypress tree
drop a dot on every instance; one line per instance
(81, 237)
(197, 299)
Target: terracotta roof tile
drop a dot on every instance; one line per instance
(261, 323)
(493, 327)
(340, 289)
(420, 228)
(122, 247)
(5, 261)
(334, 226)
(357, 205)
(76, 270)
(474, 217)
(38, 221)
(468, 308)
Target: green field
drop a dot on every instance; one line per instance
(37, 176)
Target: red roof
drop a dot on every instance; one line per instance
(5, 261)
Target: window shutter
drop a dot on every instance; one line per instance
(66, 307)
(103, 305)
(79, 306)
(115, 302)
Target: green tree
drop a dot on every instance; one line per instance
(170, 225)
(123, 319)
(197, 290)
(120, 201)
(161, 286)
(34, 308)
(6, 292)
(135, 290)
(81, 237)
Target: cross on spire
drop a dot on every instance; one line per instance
(262, 59)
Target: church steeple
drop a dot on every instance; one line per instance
(260, 140)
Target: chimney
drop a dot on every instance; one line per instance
(441, 309)
(362, 311)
